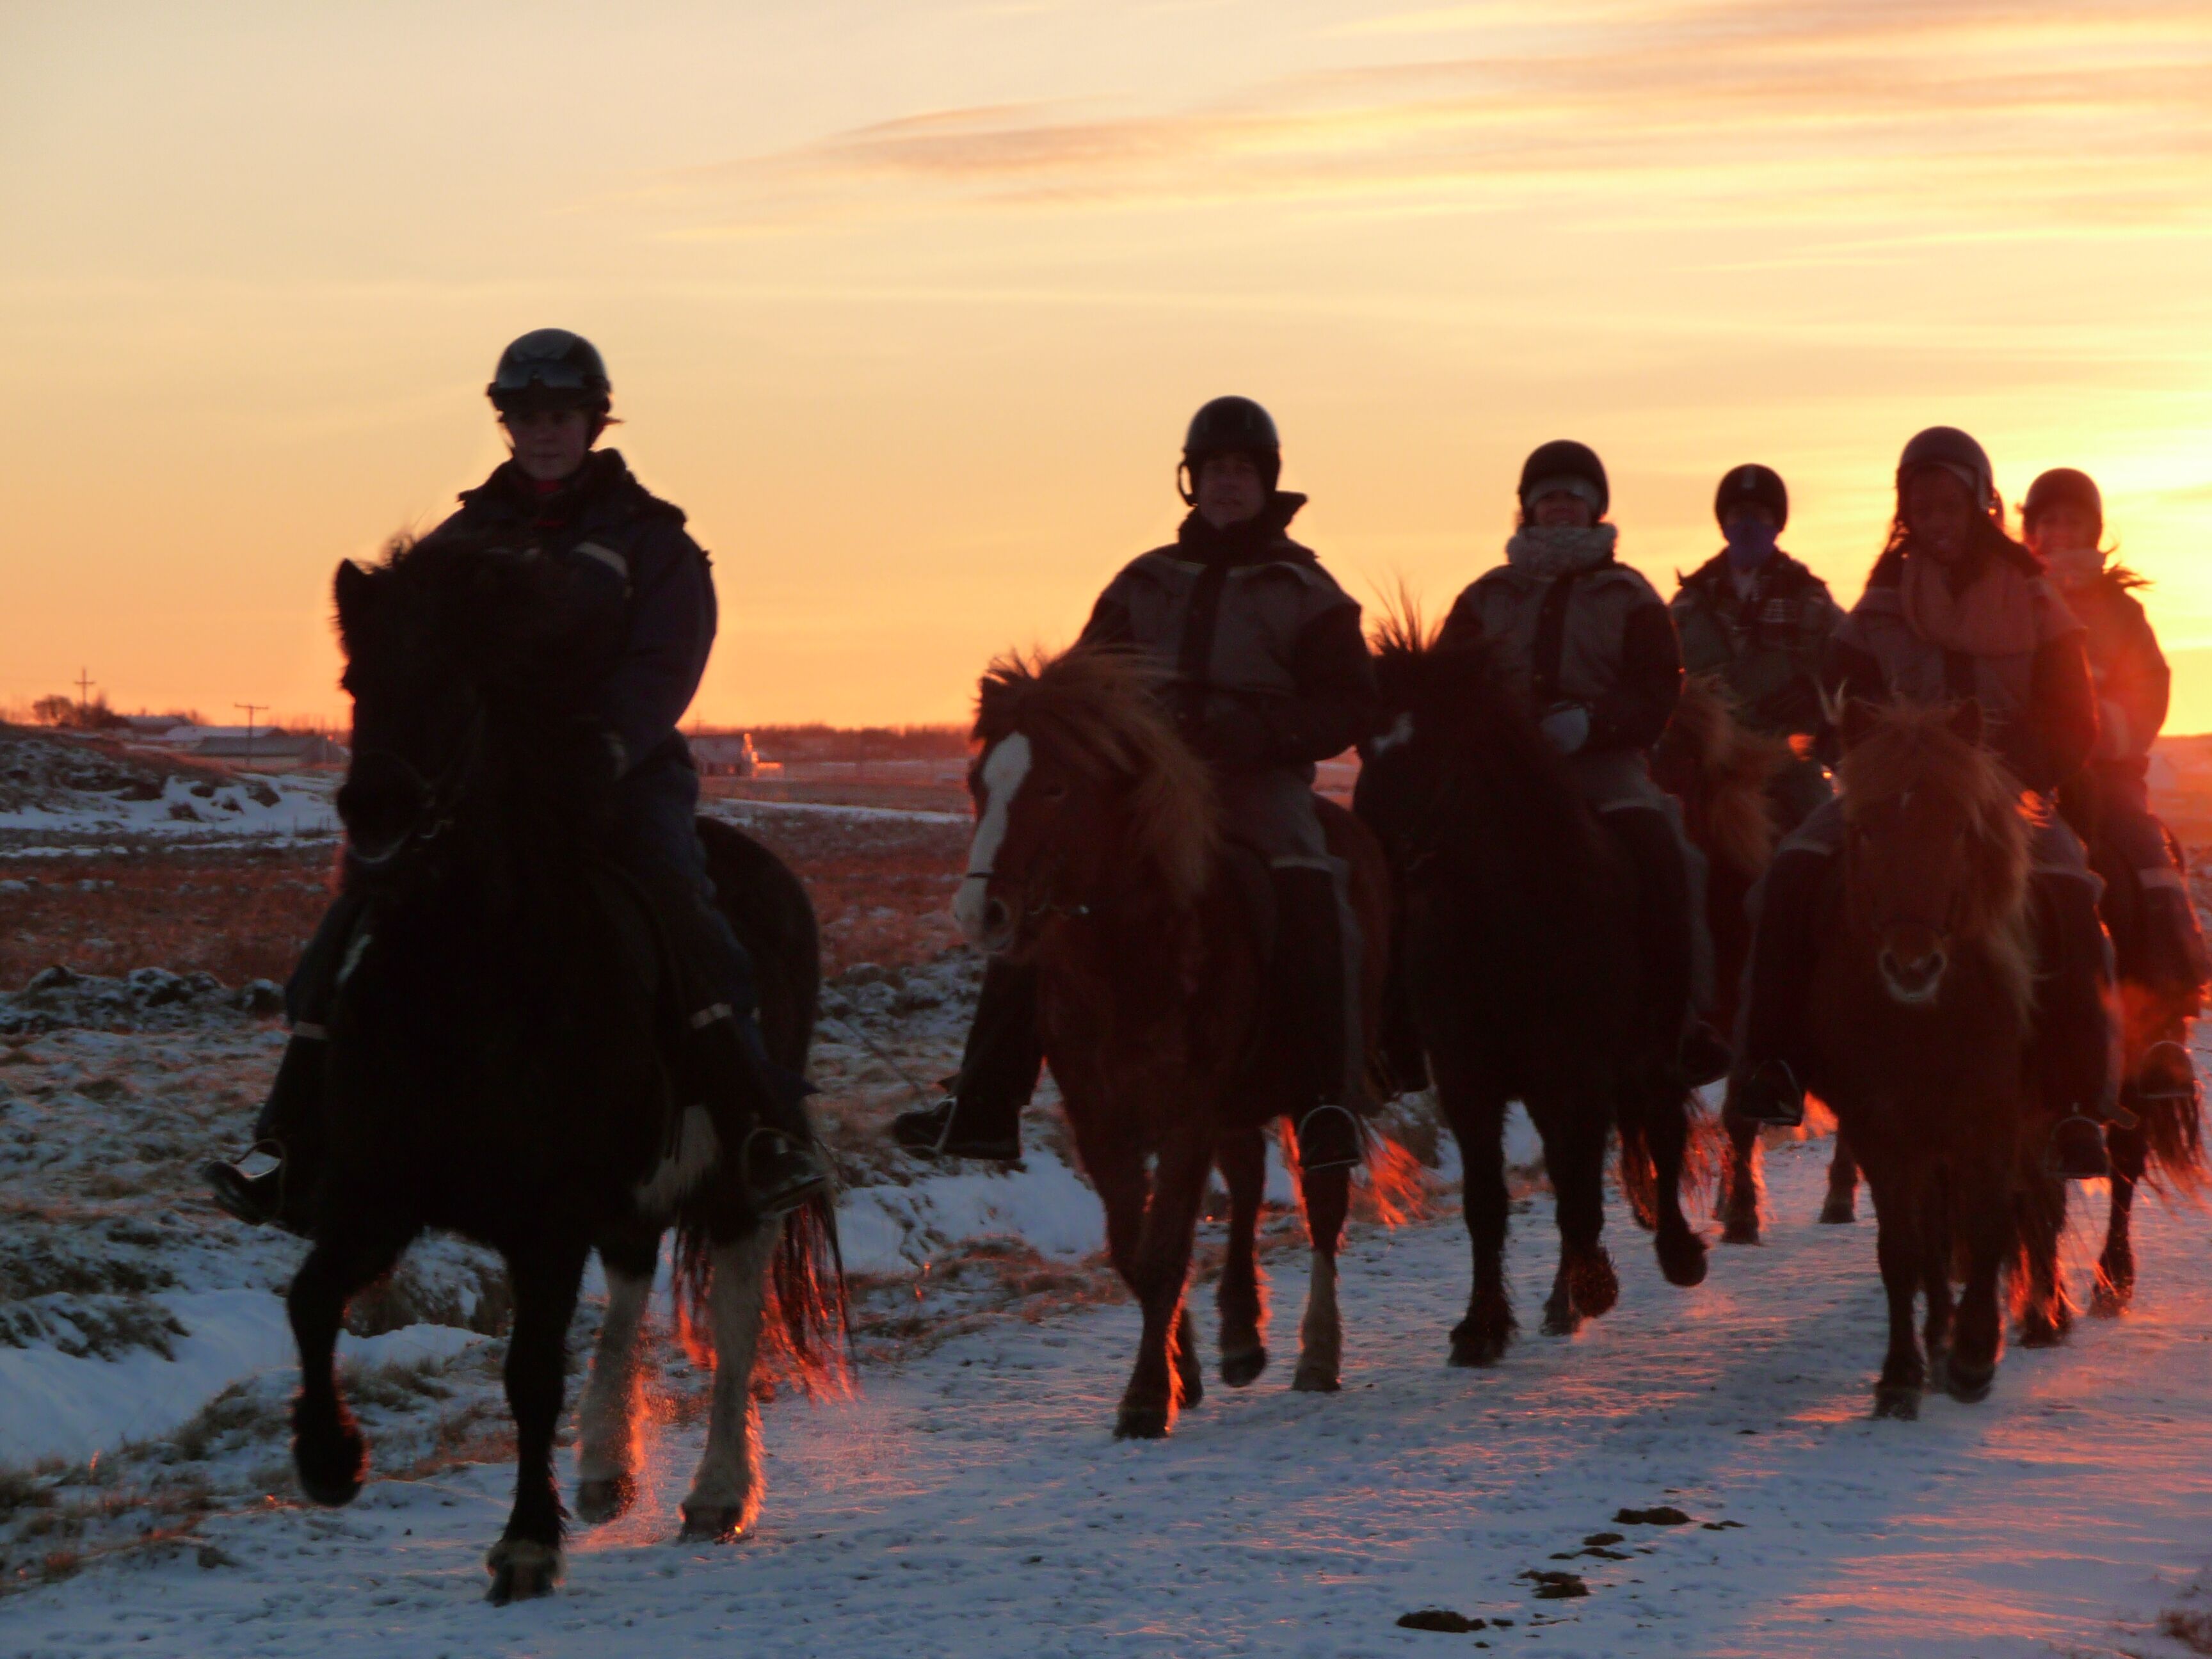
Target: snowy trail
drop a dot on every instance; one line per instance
(973, 1503)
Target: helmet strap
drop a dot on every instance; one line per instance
(1186, 482)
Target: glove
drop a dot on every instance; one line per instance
(1235, 734)
(1566, 726)
(587, 756)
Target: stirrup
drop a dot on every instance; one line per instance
(2186, 1067)
(1784, 1107)
(241, 1195)
(2083, 1167)
(805, 1180)
(1319, 1119)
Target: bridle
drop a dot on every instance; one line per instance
(436, 799)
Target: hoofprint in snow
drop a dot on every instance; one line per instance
(971, 1501)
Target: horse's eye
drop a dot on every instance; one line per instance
(1054, 791)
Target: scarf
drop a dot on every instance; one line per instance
(1994, 616)
(2074, 567)
(1560, 549)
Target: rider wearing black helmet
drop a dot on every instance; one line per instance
(561, 498)
(1267, 673)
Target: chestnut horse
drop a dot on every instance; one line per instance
(1919, 1028)
(1520, 960)
(1100, 859)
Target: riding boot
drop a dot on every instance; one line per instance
(1316, 1021)
(758, 1109)
(292, 1130)
(1767, 1085)
(2072, 1047)
(980, 1117)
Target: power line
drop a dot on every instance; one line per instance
(252, 709)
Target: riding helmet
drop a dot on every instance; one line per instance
(1761, 486)
(1565, 465)
(2063, 486)
(1233, 425)
(550, 366)
(1956, 454)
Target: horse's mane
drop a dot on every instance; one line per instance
(467, 602)
(1911, 747)
(1098, 709)
(1730, 766)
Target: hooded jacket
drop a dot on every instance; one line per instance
(1767, 649)
(2132, 679)
(1267, 665)
(654, 583)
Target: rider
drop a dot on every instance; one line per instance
(2154, 928)
(561, 497)
(1954, 609)
(1761, 621)
(1268, 673)
(1596, 648)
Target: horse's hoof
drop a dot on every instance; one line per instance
(714, 1523)
(1314, 1377)
(2042, 1331)
(1141, 1423)
(1560, 1318)
(1479, 1348)
(521, 1569)
(1190, 1384)
(332, 1469)
(1594, 1284)
(1902, 1404)
(1837, 1213)
(601, 1501)
(1682, 1259)
(1741, 1232)
(1241, 1370)
(1969, 1384)
(2108, 1299)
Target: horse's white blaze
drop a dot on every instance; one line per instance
(681, 1172)
(728, 1482)
(608, 1449)
(1001, 782)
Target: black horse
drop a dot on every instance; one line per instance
(498, 1054)
(1519, 961)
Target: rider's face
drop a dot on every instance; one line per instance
(1939, 511)
(1561, 509)
(2063, 528)
(1230, 489)
(548, 444)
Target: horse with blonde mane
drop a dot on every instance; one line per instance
(1919, 1017)
(1100, 860)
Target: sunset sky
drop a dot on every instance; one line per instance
(908, 303)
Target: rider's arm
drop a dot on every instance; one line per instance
(671, 630)
(2135, 690)
(1335, 705)
(1109, 622)
(2061, 716)
(1636, 711)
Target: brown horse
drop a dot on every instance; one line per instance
(1919, 1020)
(1719, 769)
(1100, 859)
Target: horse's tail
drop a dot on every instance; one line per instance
(804, 1337)
(2172, 1128)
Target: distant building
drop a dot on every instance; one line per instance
(728, 754)
(274, 746)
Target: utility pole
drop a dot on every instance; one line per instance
(252, 709)
(83, 697)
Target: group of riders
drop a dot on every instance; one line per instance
(1265, 672)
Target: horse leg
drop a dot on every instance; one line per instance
(2045, 1316)
(1935, 1286)
(725, 1498)
(1983, 1221)
(1161, 1264)
(1585, 1284)
(1839, 1207)
(1666, 1124)
(2129, 1150)
(607, 1423)
(1738, 1193)
(1638, 1185)
(1901, 1249)
(1242, 1158)
(1478, 1123)
(327, 1448)
(546, 1275)
(1321, 1333)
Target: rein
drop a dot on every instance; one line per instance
(436, 798)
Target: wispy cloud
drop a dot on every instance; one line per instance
(2091, 114)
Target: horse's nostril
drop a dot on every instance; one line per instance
(995, 916)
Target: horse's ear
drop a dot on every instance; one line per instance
(1967, 721)
(1857, 722)
(354, 589)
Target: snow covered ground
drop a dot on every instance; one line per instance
(971, 1501)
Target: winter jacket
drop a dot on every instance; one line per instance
(1768, 647)
(2131, 677)
(635, 561)
(1599, 637)
(1267, 665)
(2039, 703)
